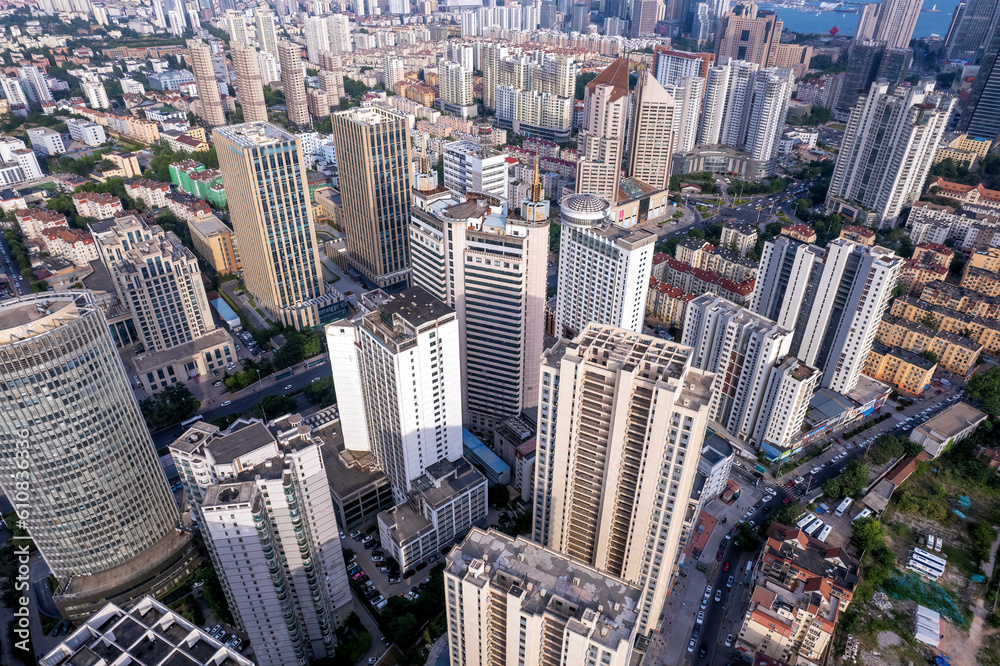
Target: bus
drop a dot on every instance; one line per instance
(864, 514)
(825, 532)
(843, 506)
(193, 419)
(805, 520)
(812, 529)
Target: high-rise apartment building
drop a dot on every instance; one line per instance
(403, 358)
(470, 167)
(981, 117)
(340, 33)
(604, 271)
(373, 156)
(651, 145)
(749, 356)
(490, 265)
(688, 93)
(267, 33)
(260, 493)
(672, 66)
(97, 503)
(971, 26)
(455, 84)
(540, 115)
(493, 53)
(789, 271)
(209, 98)
(850, 297)
(890, 22)
(602, 138)
(97, 96)
(317, 36)
(887, 151)
(870, 62)
(745, 107)
(293, 84)
(157, 278)
(249, 85)
(17, 101)
(237, 27)
(393, 71)
(612, 399)
(748, 33)
(264, 175)
(512, 602)
(33, 81)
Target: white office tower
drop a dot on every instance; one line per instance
(237, 27)
(651, 146)
(672, 66)
(261, 496)
(317, 35)
(688, 94)
(18, 163)
(490, 264)
(743, 350)
(602, 138)
(270, 70)
(745, 108)
(455, 85)
(786, 403)
(393, 70)
(603, 269)
(621, 421)
(851, 296)
(97, 96)
(339, 28)
(512, 602)
(399, 7)
(470, 24)
(33, 81)
(461, 53)
(404, 356)
(891, 138)
(470, 167)
(267, 33)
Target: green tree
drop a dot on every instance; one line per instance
(985, 386)
(868, 533)
(321, 392)
(746, 538)
(169, 406)
(982, 535)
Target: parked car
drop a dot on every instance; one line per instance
(226, 403)
(377, 558)
(718, 595)
(355, 534)
(729, 583)
(729, 640)
(691, 645)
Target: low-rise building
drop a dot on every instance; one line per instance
(701, 281)
(513, 601)
(85, 131)
(916, 275)
(139, 633)
(360, 490)
(73, 245)
(46, 141)
(959, 298)
(97, 206)
(978, 329)
(951, 425)
(963, 151)
(126, 165)
(715, 463)
(187, 207)
(216, 244)
(667, 303)
(152, 192)
(862, 235)
(739, 235)
(33, 221)
(970, 196)
(909, 372)
(955, 353)
(800, 588)
(447, 500)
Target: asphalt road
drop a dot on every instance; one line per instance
(7, 265)
(249, 397)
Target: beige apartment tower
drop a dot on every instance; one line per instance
(602, 139)
(209, 99)
(512, 602)
(373, 157)
(265, 177)
(621, 421)
(293, 84)
(489, 263)
(249, 86)
(652, 144)
(750, 34)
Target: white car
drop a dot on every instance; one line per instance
(729, 640)
(701, 617)
(718, 596)
(708, 591)
(690, 646)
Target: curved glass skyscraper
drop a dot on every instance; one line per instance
(75, 456)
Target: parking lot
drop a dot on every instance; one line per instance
(373, 583)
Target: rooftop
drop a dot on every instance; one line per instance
(255, 135)
(596, 604)
(951, 421)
